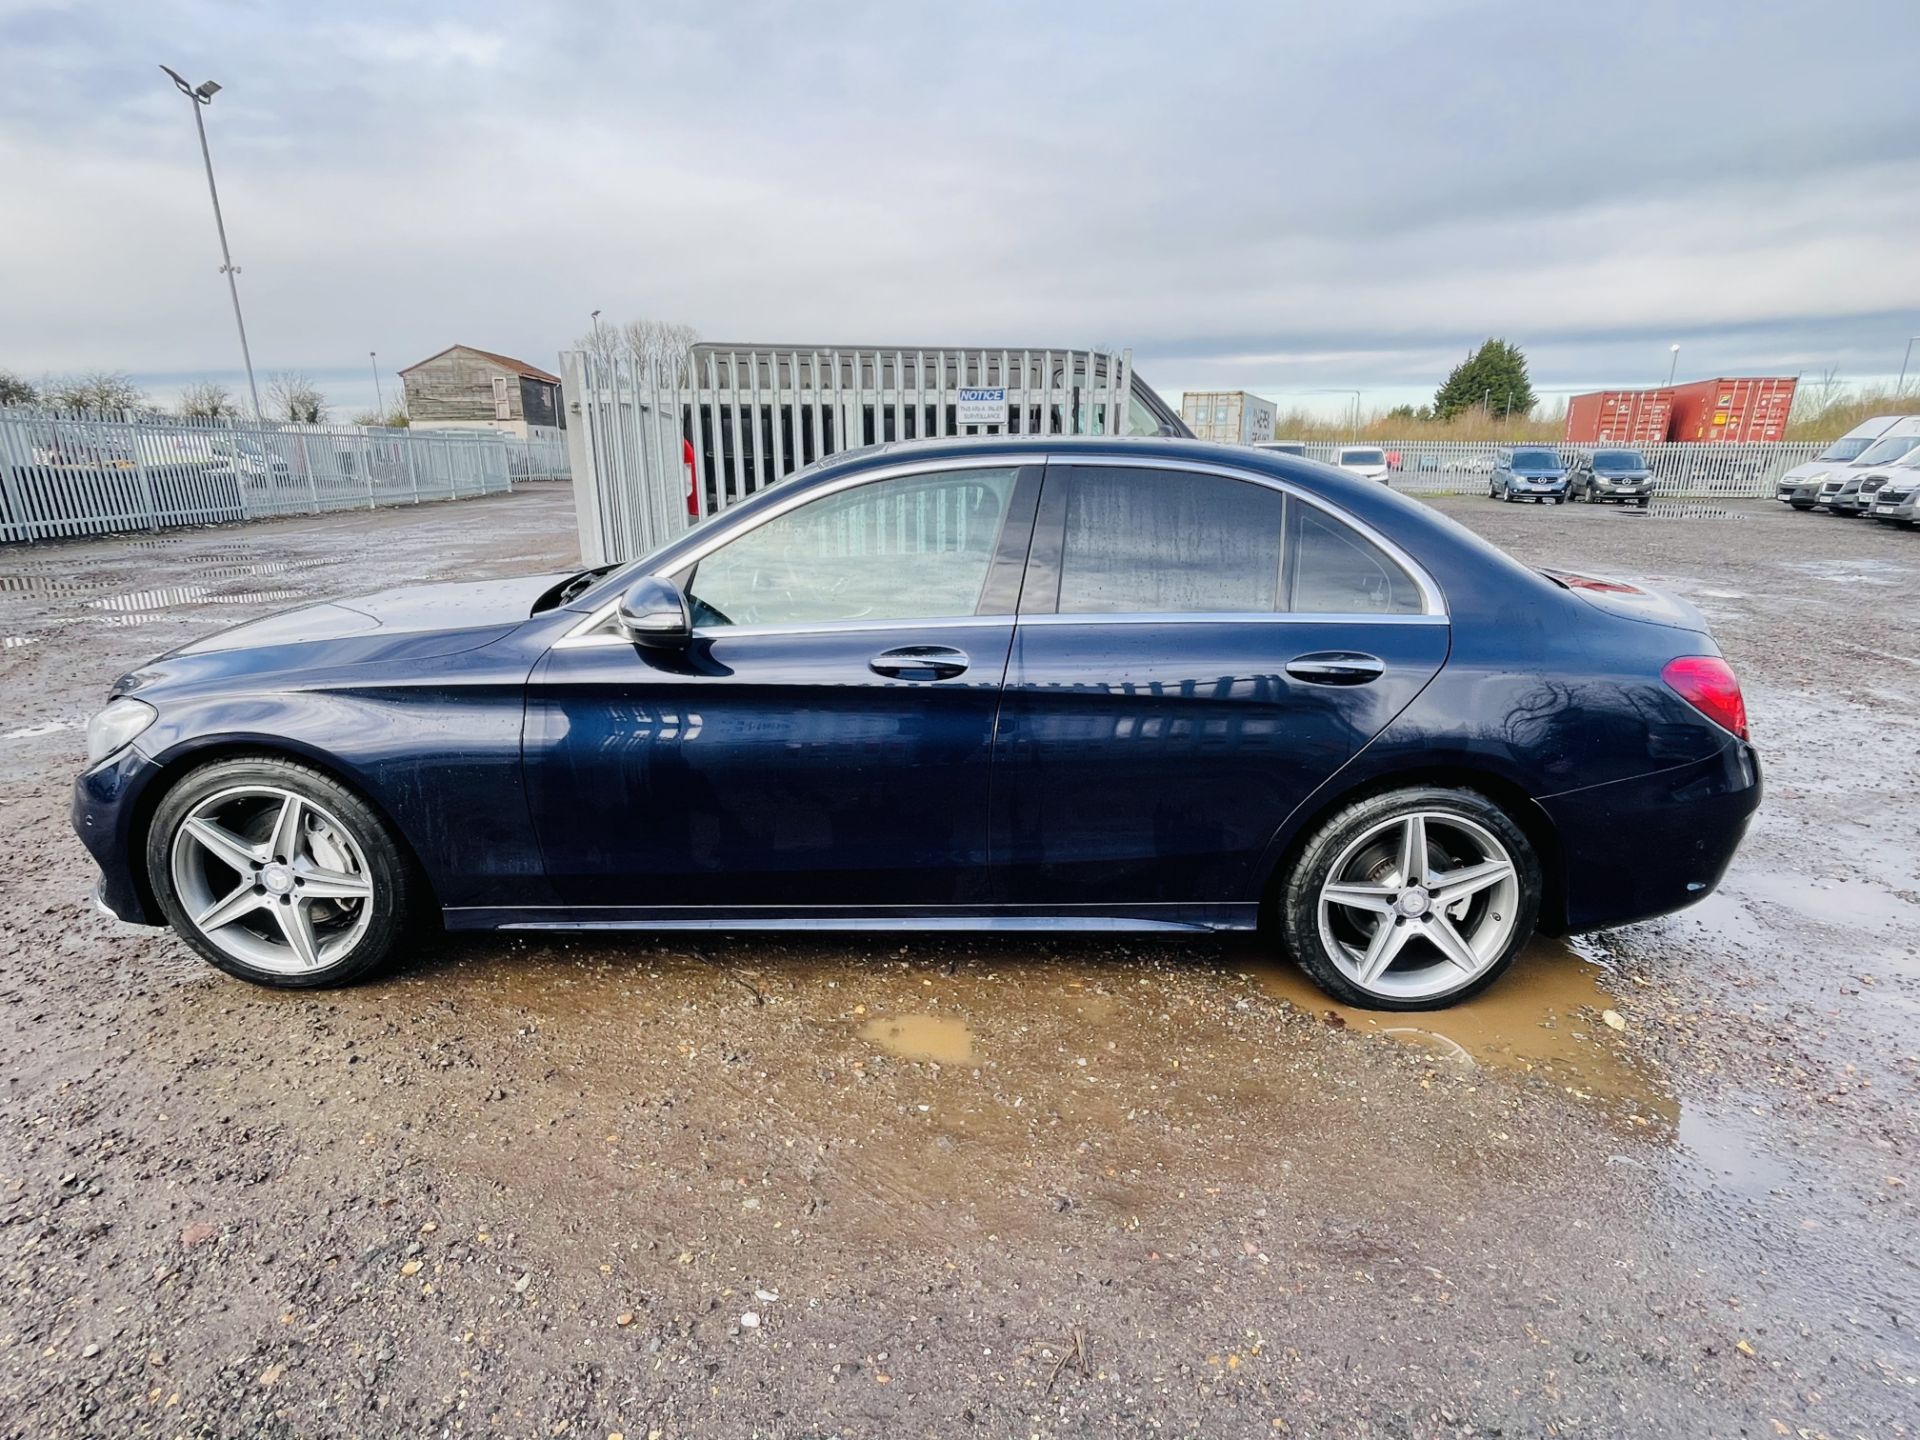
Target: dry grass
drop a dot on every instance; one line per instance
(1473, 424)
(1826, 412)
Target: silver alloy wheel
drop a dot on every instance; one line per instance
(272, 879)
(1419, 905)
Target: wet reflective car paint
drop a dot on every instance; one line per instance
(1134, 774)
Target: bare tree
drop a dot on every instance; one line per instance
(292, 396)
(94, 390)
(15, 391)
(639, 341)
(208, 400)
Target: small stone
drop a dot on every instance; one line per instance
(1614, 1019)
(412, 1267)
(749, 1320)
(89, 1352)
(520, 1285)
(270, 1376)
(197, 1234)
(623, 1319)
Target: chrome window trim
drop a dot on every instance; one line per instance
(1232, 617)
(1012, 460)
(1432, 601)
(583, 635)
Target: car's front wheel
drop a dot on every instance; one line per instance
(278, 874)
(1411, 900)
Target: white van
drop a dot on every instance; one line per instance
(1369, 462)
(1847, 448)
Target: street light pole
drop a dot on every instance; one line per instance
(1907, 359)
(379, 400)
(1674, 363)
(202, 96)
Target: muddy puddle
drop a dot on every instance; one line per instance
(938, 1038)
(1545, 1018)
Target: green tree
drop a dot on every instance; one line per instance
(1493, 378)
(15, 391)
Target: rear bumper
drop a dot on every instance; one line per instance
(103, 812)
(1654, 844)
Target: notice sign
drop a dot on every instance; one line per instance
(982, 407)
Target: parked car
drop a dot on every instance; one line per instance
(1369, 462)
(1847, 448)
(993, 682)
(1898, 501)
(1531, 472)
(1474, 465)
(1813, 491)
(1855, 497)
(1621, 476)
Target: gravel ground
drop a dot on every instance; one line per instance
(1659, 1182)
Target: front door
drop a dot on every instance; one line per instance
(1195, 654)
(824, 743)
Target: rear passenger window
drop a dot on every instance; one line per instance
(1163, 542)
(1332, 569)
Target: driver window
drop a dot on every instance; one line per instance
(914, 548)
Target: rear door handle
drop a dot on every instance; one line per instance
(920, 662)
(1336, 667)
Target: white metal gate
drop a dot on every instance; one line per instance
(749, 415)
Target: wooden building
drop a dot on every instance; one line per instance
(466, 388)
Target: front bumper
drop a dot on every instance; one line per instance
(1638, 848)
(104, 810)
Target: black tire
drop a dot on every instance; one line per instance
(388, 871)
(1297, 901)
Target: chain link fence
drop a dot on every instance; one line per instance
(64, 475)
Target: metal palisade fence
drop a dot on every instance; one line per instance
(660, 442)
(1726, 469)
(65, 475)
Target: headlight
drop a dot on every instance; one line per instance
(115, 727)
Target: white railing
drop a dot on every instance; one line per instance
(1731, 470)
(753, 414)
(541, 456)
(64, 475)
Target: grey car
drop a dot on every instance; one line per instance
(1898, 501)
(1621, 476)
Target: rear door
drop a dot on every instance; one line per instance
(1195, 654)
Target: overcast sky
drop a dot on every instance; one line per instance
(1286, 198)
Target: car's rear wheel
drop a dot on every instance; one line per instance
(1411, 900)
(278, 874)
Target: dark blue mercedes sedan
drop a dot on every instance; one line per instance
(986, 684)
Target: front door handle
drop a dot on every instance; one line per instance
(1336, 667)
(920, 662)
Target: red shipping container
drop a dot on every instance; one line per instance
(1733, 408)
(1619, 417)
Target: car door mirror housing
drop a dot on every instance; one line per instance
(653, 613)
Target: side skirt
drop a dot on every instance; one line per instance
(1189, 919)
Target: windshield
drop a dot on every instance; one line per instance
(1535, 460)
(1892, 448)
(1614, 460)
(1846, 448)
(1363, 457)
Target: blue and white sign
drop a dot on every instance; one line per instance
(982, 407)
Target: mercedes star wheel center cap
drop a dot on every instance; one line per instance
(277, 878)
(1412, 902)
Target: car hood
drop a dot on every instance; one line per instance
(1630, 601)
(467, 613)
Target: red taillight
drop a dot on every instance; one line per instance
(1708, 683)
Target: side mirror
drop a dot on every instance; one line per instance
(653, 613)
